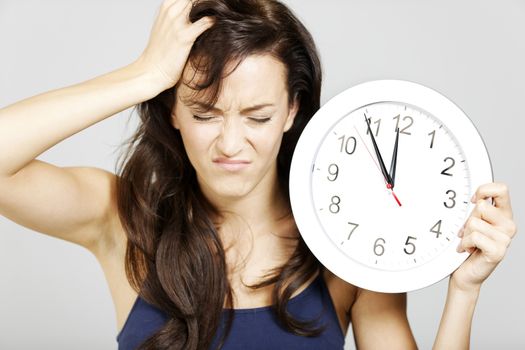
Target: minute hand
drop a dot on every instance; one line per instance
(394, 160)
(381, 162)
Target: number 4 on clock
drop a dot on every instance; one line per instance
(436, 228)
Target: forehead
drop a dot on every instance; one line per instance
(257, 78)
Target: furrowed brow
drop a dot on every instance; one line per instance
(257, 107)
(201, 106)
(206, 107)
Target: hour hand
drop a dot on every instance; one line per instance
(378, 154)
(394, 160)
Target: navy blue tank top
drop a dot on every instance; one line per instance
(255, 328)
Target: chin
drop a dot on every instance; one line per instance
(229, 190)
(234, 192)
(231, 187)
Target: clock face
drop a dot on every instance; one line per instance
(395, 233)
(361, 215)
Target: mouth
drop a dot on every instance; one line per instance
(231, 164)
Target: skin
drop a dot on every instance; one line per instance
(80, 202)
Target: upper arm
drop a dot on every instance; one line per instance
(379, 321)
(75, 204)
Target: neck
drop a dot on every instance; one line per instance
(260, 211)
(257, 230)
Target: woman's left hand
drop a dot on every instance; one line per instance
(486, 234)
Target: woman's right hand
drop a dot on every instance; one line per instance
(170, 42)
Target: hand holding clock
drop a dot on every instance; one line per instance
(486, 234)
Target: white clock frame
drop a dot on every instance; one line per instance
(303, 160)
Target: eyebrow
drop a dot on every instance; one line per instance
(212, 108)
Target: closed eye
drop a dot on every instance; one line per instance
(256, 120)
(261, 120)
(201, 119)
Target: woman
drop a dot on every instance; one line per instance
(195, 234)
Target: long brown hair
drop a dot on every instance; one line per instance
(174, 258)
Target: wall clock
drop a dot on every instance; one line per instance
(381, 181)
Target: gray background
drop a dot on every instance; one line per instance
(53, 293)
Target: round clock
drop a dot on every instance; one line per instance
(380, 184)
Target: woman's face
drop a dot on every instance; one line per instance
(234, 146)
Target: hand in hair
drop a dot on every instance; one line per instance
(170, 42)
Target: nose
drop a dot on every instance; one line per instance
(231, 139)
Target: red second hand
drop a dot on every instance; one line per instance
(389, 186)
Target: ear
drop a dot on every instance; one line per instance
(174, 120)
(174, 101)
(291, 114)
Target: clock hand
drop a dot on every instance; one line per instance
(388, 185)
(394, 160)
(381, 162)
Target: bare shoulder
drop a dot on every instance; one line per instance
(379, 321)
(343, 293)
(351, 297)
(343, 296)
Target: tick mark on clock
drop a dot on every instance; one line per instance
(465, 202)
(376, 262)
(463, 161)
(415, 261)
(440, 126)
(448, 239)
(335, 133)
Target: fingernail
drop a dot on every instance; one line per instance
(460, 233)
(458, 249)
(473, 199)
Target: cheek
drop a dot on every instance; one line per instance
(196, 140)
(268, 143)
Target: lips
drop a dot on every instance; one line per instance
(231, 164)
